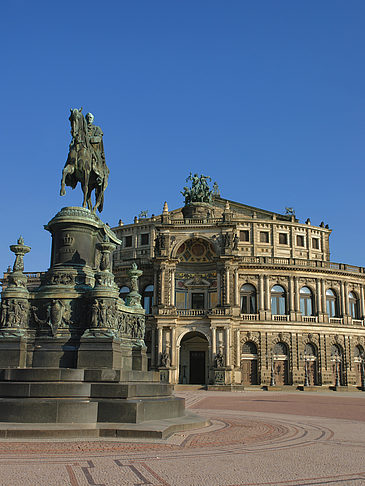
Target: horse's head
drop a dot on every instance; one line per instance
(76, 117)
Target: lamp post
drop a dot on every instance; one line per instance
(272, 380)
(305, 357)
(337, 359)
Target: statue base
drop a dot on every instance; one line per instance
(198, 210)
(77, 355)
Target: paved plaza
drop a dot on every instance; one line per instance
(255, 438)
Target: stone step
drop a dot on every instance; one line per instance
(51, 389)
(41, 374)
(155, 429)
(180, 387)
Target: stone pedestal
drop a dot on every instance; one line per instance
(74, 351)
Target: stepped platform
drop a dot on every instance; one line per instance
(45, 402)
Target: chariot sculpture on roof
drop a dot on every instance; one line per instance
(86, 160)
(199, 191)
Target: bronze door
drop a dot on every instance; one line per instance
(281, 372)
(249, 372)
(197, 367)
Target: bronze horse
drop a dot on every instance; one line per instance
(81, 164)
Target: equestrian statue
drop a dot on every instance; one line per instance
(86, 160)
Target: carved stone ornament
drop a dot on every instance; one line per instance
(14, 313)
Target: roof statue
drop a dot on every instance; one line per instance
(86, 160)
(200, 190)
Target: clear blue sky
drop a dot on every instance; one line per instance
(266, 97)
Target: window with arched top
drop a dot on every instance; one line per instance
(331, 303)
(148, 299)
(354, 305)
(249, 347)
(306, 301)
(336, 350)
(248, 299)
(358, 352)
(310, 350)
(281, 349)
(123, 292)
(278, 300)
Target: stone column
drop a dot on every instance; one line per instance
(214, 344)
(227, 286)
(236, 290)
(228, 346)
(361, 297)
(153, 348)
(346, 298)
(219, 290)
(173, 270)
(267, 293)
(173, 346)
(291, 294)
(296, 295)
(319, 297)
(324, 308)
(261, 293)
(342, 300)
(238, 347)
(162, 284)
(159, 348)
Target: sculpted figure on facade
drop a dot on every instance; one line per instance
(165, 359)
(219, 359)
(200, 190)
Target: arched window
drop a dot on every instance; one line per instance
(249, 347)
(281, 349)
(310, 350)
(306, 301)
(148, 299)
(123, 292)
(358, 352)
(248, 299)
(278, 300)
(336, 350)
(331, 300)
(353, 305)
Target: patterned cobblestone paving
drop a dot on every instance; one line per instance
(255, 438)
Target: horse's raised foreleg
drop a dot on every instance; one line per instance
(69, 169)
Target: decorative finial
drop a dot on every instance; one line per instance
(165, 207)
(20, 240)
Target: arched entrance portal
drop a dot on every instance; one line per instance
(193, 359)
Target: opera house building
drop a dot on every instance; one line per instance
(239, 296)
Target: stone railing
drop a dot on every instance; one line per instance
(250, 317)
(192, 312)
(336, 320)
(310, 318)
(298, 262)
(279, 317)
(196, 221)
(357, 322)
